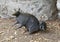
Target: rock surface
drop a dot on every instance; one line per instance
(42, 9)
(58, 7)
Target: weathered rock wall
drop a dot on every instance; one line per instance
(42, 9)
(58, 7)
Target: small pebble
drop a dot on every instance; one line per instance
(1, 32)
(25, 36)
(36, 41)
(31, 40)
(15, 33)
(12, 37)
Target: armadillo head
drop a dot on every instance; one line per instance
(43, 26)
(16, 14)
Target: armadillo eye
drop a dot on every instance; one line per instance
(42, 28)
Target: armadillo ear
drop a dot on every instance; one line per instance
(19, 9)
(15, 10)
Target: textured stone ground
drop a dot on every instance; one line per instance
(9, 34)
